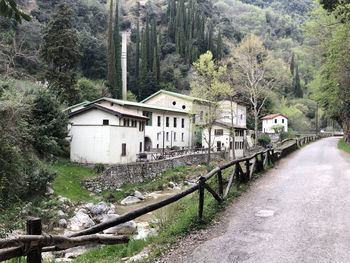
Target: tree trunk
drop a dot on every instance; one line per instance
(346, 129)
(209, 145)
(256, 128)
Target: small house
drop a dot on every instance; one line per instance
(274, 123)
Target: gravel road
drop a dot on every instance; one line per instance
(298, 212)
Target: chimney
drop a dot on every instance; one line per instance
(124, 64)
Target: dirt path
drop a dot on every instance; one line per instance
(298, 212)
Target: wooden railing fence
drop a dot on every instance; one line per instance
(33, 244)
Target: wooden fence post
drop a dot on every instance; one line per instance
(247, 167)
(201, 197)
(221, 186)
(34, 228)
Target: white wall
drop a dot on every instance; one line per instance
(92, 142)
(224, 139)
(267, 124)
(166, 100)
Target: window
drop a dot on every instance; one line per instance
(105, 122)
(183, 107)
(275, 120)
(140, 146)
(282, 120)
(141, 126)
(182, 123)
(175, 122)
(194, 118)
(157, 146)
(149, 115)
(174, 102)
(174, 136)
(230, 145)
(201, 116)
(241, 116)
(158, 135)
(219, 132)
(159, 120)
(123, 149)
(167, 136)
(167, 121)
(182, 137)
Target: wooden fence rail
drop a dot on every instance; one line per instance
(35, 243)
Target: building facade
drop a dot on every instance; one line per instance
(271, 121)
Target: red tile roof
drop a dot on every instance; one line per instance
(271, 116)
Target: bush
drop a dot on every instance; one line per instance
(286, 135)
(264, 140)
(99, 168)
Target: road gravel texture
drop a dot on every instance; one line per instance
(298, 212)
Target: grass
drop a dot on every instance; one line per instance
(343, 146)
(175, 221)
(68, 180)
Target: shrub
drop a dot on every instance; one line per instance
(264, 140)
(99, 168)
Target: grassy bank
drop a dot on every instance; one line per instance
(175, 221)
(343, 146)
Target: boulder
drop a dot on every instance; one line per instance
(171, 185)
(127, 228)
(98, 209)
(80, 221)
(61, 213)
(130, 200)
(139, 195)
(62, 223)
(49, 190)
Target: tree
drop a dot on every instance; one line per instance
(111, 56)
(48, 124)
(60, 51)
(9, 9)
(297, 88)
(252, 67)
(117, 93)
(292, 65)
(209, 84)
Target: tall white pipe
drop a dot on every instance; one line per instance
(124, 64)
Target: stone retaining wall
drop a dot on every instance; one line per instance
(117, 175)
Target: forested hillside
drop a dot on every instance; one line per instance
(165, 37)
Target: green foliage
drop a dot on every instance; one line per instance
(344, 146)
(99, 168)
(277, 128)
(264, 140)
(116, 92)
(285, 135)
(60, 51)
(9, 9)
(88, 90)
(48, 124)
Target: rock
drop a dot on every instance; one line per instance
(142, 255)
(62, 223)
(97, 209)
(80, 221)
(127, 228)
(130, 200)
(63, 199)
(61, 213)
(66, 233)
(139, 195)
(49, 190)
(171, 185)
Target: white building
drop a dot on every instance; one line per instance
(269, 121)
(222, 140)
(104, 131)
(105, 134)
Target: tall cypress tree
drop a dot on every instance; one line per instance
(144, 55)
(292, 65)
(111, 69)
(137, 62)
(117, 48)
(60, 50)
(297, 88)
(219, 47)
